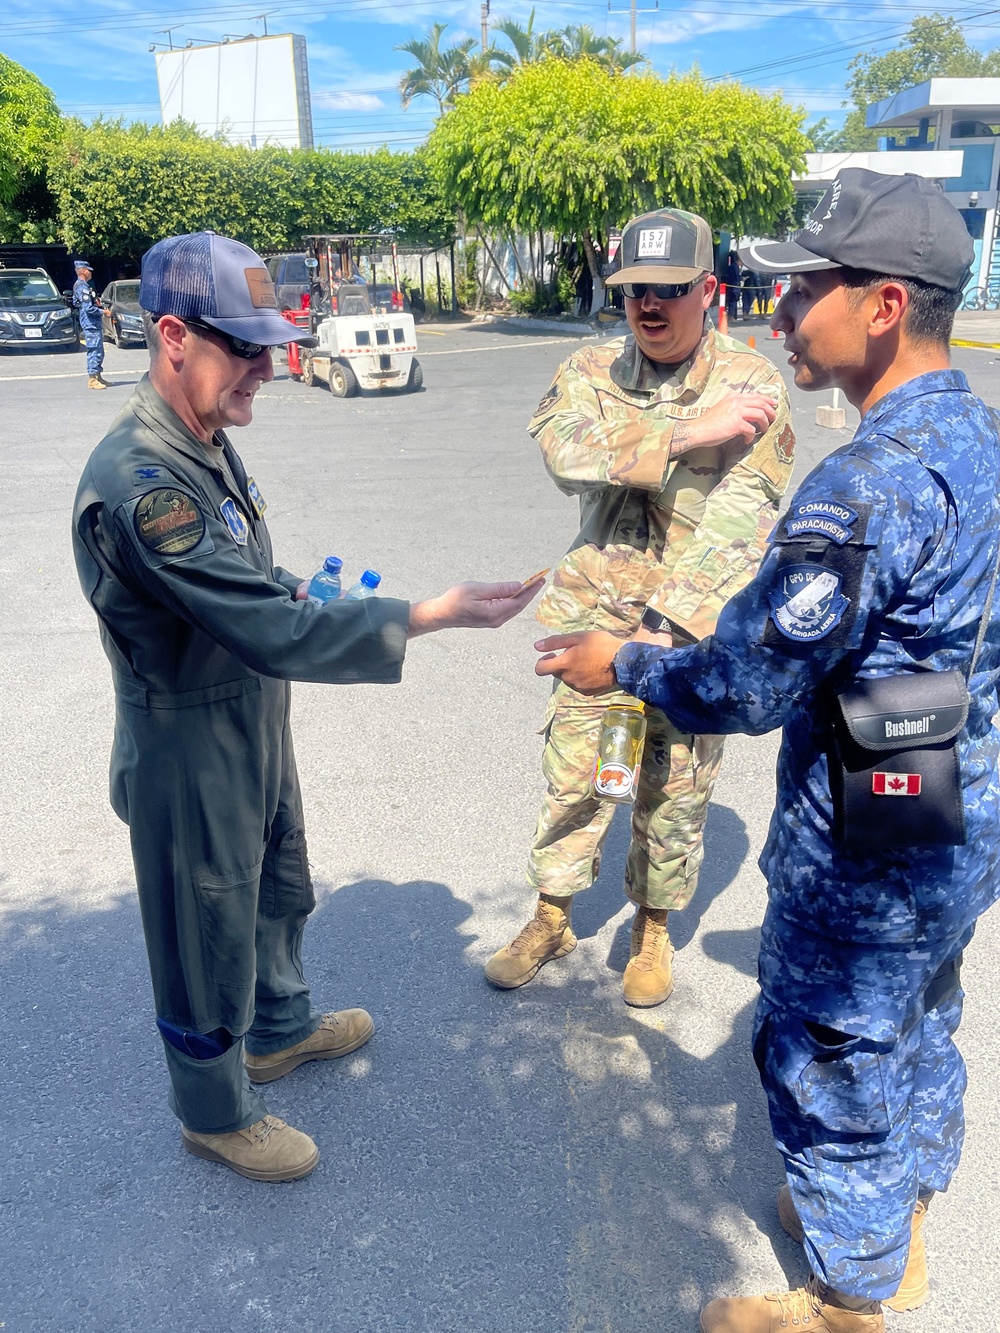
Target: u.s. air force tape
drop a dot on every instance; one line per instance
(168, 522)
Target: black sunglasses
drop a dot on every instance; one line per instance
(238, 346)
(667, 291)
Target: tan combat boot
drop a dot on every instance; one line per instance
(95, 382)
(547, 935)
(266, 1150)
(914, 1288)
(812, 1308)
(649, 976)
(337, 1034)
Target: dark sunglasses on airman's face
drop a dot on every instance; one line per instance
(662, 291)
(238, 346)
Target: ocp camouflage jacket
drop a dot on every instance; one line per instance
(682, 535)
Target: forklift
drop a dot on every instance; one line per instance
(365, 338)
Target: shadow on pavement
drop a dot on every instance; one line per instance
(491, 1161)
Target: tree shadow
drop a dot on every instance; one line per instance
(491, 1161)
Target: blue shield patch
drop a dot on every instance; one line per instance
(235, 521)
(808, 604)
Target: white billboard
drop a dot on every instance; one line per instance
(252, 91)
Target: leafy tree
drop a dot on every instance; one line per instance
(441, 73)
(29, 124)
(934, 47)
(568, 148)
(120, 189)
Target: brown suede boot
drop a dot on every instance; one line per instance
(267, 1150)
(95, 382)
(649, 977)
(547, 935)
(915, 1286)
(337, 1034)
(813, 1308)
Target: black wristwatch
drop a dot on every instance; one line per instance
(655, 621)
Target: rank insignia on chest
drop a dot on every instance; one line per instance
(235, 521)
(256, 499)
(808, 604)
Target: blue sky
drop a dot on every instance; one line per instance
(95, 56)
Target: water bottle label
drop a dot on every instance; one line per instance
(613, 779)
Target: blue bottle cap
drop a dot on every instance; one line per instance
(333, 564)
(370, 579)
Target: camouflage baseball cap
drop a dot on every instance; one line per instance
(666, 246)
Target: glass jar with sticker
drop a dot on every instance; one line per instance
(619, 753)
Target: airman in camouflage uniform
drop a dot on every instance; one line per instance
(883, 570)
(679, 445)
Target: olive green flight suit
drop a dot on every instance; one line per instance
(203, 634)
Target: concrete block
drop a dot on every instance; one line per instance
(834, 417)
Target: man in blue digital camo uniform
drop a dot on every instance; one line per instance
(89, 311)
(204, 632)
(883, 561)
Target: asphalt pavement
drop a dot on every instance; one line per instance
(545, 1159)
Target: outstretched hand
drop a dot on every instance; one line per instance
(472, 606)
(584, 661)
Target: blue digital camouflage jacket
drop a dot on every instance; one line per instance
(883, 560)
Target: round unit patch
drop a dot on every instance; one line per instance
(168, 522)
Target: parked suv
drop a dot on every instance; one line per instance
(32, 312)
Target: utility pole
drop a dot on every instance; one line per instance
(633, 10)
(484, 18)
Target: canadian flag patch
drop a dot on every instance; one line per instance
(896, 784)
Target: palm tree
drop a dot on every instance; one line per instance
(528, 45)
(580, 42)
(440, 73)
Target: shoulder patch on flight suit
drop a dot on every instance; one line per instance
(168, 521)
(551, 396)
(256, 499)
(234, 520)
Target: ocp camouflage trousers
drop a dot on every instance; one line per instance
(668, 818)
(864, 1127)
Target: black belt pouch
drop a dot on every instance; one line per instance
(894, 771)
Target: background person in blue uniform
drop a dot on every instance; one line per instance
(204, 632)
(90, 310)
(883, 561)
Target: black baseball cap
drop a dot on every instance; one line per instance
(899, 225)
(219, 282)
(662, 247)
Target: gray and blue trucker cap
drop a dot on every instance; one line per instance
(219, 282)
(903, 226)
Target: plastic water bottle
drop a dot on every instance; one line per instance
(365, 586)
(325, 585)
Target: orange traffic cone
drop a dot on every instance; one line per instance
(751, 341)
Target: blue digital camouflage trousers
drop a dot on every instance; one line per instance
(93, 336)
(864, 1127)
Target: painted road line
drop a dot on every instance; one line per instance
(982, 347)
(61, 375)
(501, 347)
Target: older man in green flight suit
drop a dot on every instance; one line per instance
(204, 633)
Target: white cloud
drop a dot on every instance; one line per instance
(347, 101)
